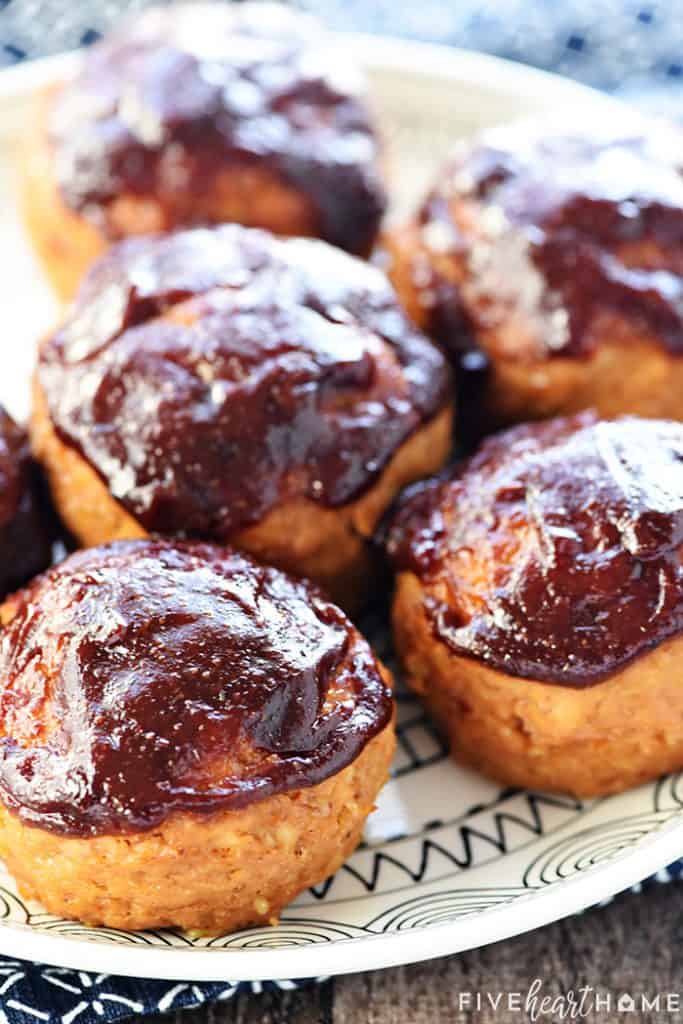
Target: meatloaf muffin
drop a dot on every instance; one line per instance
(225, 384)
(549, 260)
(187, 738)
(539, 603)
(202, 114)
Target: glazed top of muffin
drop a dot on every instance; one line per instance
(554, 553)
(25, 526)
(567, 223)
(177, 94)
(145, 678)
(209, 375)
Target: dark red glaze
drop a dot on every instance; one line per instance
(300, 376)
(146, 678)
(180, 94)
(573, 222)
(25, 524)
(554, 553)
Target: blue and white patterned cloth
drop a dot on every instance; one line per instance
(633, 48)
(36, 994)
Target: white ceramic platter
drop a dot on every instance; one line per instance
(451, 861)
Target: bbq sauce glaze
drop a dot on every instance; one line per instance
(145, 678)
(554, 553)
(571, 224)
(25, 522)
(177, 96)
(282, 369)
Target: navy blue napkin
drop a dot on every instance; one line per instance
(36, 994)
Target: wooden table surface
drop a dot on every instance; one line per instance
(631, 946)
